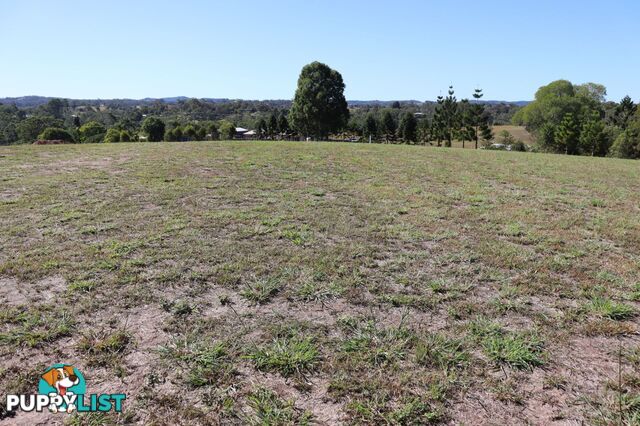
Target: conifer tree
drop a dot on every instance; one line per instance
(283, 124)
(449, 115)
(261, 128)
(485, 133)
(272, 126)
(567, 134)
(388, 126)
(437, 127)
(478, 115)
(408, 127)
(623, 112)
(370, 127)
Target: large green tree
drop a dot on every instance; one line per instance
(319, 106)
(28, 130)
(559, 110)
(154, 129)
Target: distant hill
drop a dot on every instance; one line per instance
(34, 101)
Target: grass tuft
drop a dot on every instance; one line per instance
(519, 350)
(105, 349)
(439, 351)
(608, 309)
(262, 290)
(288, 356)
(203, 363)
(269, 409)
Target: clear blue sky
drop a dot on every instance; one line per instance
(254, 50)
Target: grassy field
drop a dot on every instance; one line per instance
(327, 283)
(518, 132)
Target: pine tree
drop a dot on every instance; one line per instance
(437, 127)
(623, 112)
(424, 131)
(388, 126)
(466, 130)
(449, 115)
(283, 124)
(261, 128)
(272, 126)
(370, 127)
(408, 127)
(478, 115)
(485, 133)
(567, 134)
(593, 137)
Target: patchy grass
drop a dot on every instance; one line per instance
(262, 290)
(288, 356)
(610, 309)
(105, 348)
(269, 409)
(442, 352)
(367, 284)
(202, 363)
(33, 327)
(519, 350)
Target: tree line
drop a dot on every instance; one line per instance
(563, 118)
(577, 120)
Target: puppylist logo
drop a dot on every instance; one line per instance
(62, 389)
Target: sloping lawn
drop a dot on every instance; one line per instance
(288, 283)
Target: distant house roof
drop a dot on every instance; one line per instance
(241, 130)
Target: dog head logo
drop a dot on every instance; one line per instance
(61, 378)
(64, 381)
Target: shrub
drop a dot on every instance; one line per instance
(519, 146)
(92, 132)
(113, 135)
(55, 133)
(627, 144)
(125, 136)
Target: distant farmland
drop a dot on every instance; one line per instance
(284, 283)
(518, 132)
